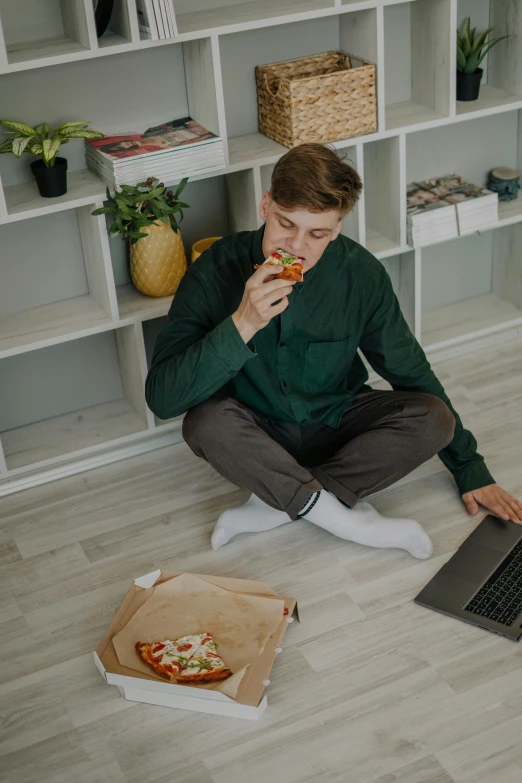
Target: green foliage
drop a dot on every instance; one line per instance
(135, 206)
(471, 50)
(42, 141)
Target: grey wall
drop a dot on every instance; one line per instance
(397, 53)
(67, 377)
(241, 52)
(456, 270)
(41, 261)
(40, 19)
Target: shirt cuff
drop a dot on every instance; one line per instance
(229, 346)
(473, 476)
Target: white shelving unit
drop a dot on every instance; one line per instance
(76, 338)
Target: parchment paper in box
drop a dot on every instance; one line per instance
(240, 623)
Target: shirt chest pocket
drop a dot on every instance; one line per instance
(326, 365)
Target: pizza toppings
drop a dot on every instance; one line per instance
(293, 265)
(189, 659)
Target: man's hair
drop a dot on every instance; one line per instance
(313, 177)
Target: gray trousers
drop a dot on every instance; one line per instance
(383, 436)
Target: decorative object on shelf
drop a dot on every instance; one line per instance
(505, 182)
(470, 53)
(145, 214)
(200, 246)
(50, 171)
(102, 15)
(318, 98)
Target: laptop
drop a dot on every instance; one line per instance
(482, 583)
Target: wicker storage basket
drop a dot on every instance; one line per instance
(318, 98)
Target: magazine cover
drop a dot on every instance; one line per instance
(420, 201)
(168, 136)
(441, 186)
(468, 193)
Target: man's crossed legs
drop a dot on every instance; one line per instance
(320, 473)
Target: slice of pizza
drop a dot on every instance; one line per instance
(205, 665)
(168, 658)
(293, 265)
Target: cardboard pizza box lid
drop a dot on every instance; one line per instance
(252, 686)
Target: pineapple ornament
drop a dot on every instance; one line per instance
(147, 218)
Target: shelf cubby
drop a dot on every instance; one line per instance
(205, 15)
(70, 398)
(47, 28)
(189, 89)
(68, 290)
(402, 270)
(240, 52)
(452, 149)
(123, 25)
(501, 82)
(471, 286)
(383, 194)
(211, 213)
(418, 62)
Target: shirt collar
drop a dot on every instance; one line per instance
(257, 252)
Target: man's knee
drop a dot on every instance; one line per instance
(442, 422)
(205, 422)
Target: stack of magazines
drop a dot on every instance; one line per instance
(445, 207)
(170, 151)
(156, 19)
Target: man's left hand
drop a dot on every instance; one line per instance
(495, 499)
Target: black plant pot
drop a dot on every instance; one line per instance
(51, 182)
(468, 85)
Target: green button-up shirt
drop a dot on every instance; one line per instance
(304, 365)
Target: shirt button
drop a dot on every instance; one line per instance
(282, 345)
(285, 384)
(303, 421)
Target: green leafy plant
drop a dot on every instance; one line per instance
(136, 206)
(470, 50)
(42, 140)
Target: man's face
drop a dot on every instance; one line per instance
(298, 231)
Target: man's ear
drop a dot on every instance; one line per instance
(264, 204)
(337, 230)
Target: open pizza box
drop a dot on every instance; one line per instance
(242, 695)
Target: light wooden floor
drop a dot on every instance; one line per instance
(369, 687)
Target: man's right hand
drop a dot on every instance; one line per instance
(257, 307)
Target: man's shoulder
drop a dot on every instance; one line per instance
(231, 250)
(361, 260)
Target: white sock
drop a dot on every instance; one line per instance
(255, 516)
(364, 525)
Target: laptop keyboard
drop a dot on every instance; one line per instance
(500, 598)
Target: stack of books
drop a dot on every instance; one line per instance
(445, 207)
(171, 151)
(156, 19)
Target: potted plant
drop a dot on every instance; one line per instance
(50, 171)
(146, 215)
(471, 51)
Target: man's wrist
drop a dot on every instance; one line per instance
(246, 331)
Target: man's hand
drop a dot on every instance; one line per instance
(257, 307)
(495, 499)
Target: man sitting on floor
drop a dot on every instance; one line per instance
(275, 390)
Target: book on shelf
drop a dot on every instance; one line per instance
(156, 19)
(170, 150)
(146, 19)
(445, 207)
